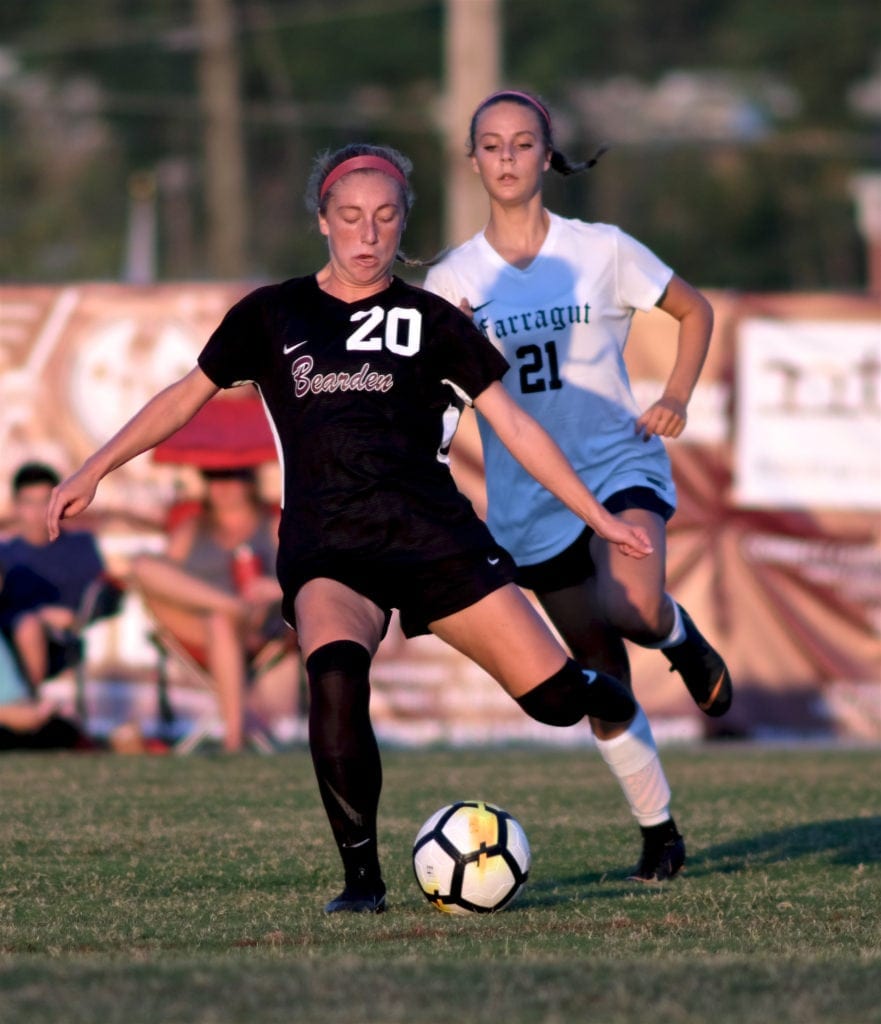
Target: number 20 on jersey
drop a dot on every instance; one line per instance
(398, 330)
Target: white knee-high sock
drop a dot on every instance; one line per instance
(675, 636)
(633, 759)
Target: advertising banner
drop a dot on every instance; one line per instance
(775, 548)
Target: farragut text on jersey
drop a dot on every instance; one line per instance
(557, 318)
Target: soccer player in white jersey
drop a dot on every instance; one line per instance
(362, 376)
(556, 297)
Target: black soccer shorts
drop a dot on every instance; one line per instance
(422, 591)
(574, 565)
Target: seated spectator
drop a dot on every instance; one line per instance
(27, 722)
(44, 583)
(215, 588)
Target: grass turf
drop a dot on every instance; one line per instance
(166, 890)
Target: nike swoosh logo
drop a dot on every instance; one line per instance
(345, 806)
(476, 309)
(292, 348)
(714, 693)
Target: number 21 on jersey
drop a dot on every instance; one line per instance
(539, 370)
(401, 331)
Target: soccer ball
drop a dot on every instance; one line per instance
(471, 858)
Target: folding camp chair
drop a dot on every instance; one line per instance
(186, 663)
(229, 432)
(171, 651)
(67, 648)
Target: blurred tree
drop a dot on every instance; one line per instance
(220, 97)
(93, 93)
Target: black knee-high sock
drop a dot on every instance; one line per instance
(345, 753)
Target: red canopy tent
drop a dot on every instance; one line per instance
(229, 432)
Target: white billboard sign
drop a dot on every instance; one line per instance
(808, 425)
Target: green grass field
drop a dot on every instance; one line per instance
(190, 890)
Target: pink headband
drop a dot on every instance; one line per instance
(362, 163)
(531, 100)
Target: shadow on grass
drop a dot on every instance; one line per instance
(844, 841)
(848, 842)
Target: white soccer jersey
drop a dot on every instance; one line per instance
(562, 324)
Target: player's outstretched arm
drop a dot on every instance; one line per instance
(540, 455)
(165, 413)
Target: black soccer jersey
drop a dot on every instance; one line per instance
(364, 398)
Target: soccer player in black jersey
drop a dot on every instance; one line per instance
(362, 376)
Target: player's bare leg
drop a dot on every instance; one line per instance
(633, 600)
(507, 637)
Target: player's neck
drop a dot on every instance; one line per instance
(518, 233)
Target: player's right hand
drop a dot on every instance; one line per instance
(69, 498)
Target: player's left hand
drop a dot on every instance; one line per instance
(666, 418)
(630, 540)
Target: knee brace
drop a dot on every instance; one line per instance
(573, 692)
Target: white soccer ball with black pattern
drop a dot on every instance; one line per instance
(471, 858)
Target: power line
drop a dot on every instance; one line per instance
(184, 36)
(276, 113)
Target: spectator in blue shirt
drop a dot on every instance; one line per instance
(44, 583)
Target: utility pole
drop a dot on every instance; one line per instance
(473, 65)
(866, 191)
(140, 244)
(219, 90)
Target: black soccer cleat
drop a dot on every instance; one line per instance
(663, 854)
(702, 669)
(355, 900)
